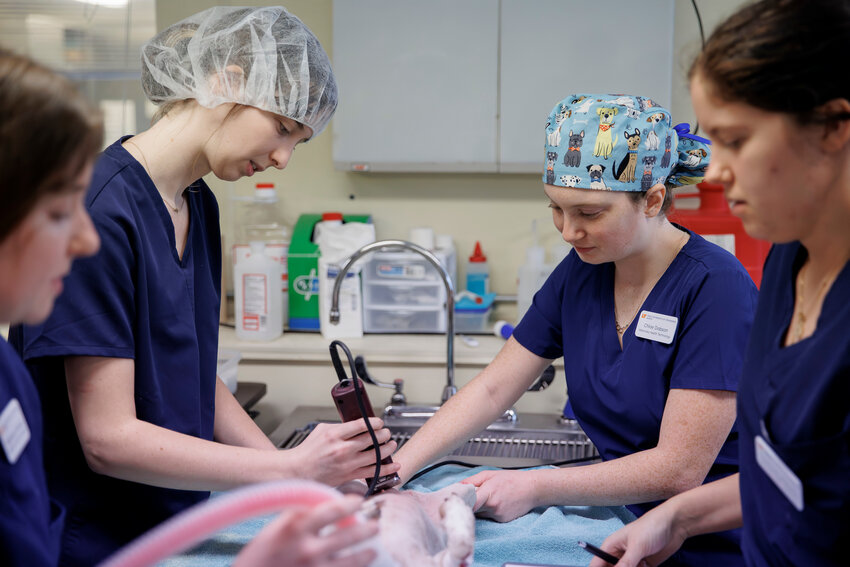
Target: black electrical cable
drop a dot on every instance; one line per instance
(702, 43)
(360, 404)
(699, 22)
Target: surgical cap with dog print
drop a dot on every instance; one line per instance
(620, 143)
(262, 57)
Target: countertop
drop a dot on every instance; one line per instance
(420, 349)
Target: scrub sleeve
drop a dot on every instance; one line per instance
(135, 299)
(618, 395)
(797, 398)
(30, 524)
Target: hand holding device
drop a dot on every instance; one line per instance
(352, 403)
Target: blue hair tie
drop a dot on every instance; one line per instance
(683, 129)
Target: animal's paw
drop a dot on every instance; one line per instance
(459, 523)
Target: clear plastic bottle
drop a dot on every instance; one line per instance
(259, 313)
(259, 220)
(446, 245)
(532, 274)
(478, 272)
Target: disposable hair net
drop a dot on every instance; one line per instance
(263, 57)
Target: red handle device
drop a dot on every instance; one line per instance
(345, 399)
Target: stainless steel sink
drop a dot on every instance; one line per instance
(532, 440)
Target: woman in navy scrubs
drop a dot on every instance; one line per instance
(651, 320)
(764, 92)
(137, 425)
(49, 137)
(44, 226)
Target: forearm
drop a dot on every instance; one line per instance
(645, 476)
(142, 452)
(451, 426)
(712, 507)
(233, 426)
(473, 408)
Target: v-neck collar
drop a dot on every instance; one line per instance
(608, 318)
(155, 198)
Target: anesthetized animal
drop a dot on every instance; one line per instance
(421, 529)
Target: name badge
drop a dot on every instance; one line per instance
(782, 476)
(656, 327)
(14, 431)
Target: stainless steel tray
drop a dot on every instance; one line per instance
(532, 440)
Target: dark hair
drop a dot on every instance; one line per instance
(48, 134)
(780, 56)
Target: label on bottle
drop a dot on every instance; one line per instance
(401, 271)
(255, 302)
(478, 283)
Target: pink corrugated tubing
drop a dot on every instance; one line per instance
(193, 525)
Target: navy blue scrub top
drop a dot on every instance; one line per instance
(134, 299)
(618, 395)
(30, 527)
(801, 393)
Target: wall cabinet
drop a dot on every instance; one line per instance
(447, 86)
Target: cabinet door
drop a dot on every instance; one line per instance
(417, 85)
(553, 48)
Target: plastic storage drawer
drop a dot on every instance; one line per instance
(404, 293)
(404, 320)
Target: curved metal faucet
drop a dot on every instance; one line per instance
(450, 389)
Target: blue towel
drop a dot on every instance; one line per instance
(543, 536)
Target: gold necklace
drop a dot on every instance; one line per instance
(172, 206)
(622, 328)
(800, 306)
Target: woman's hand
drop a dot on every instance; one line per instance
(647, 541)
(336, 453)
(298, 538)
(503, 495)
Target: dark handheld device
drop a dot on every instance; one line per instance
(604, 555)
(352, 403)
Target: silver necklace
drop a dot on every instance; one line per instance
(622, 328)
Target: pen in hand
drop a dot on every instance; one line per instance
(592, 549)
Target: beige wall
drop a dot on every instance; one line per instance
(495, 209)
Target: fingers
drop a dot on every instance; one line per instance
(312, 537)
(368, 471)
(334, 543)
(478, 478)
(482, 494)
(597, 562)
(331, 512)
(366, 457)
(358, 426)
(362, 558)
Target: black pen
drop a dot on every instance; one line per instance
(590, 548)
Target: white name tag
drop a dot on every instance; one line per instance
(14, 431)
(656, 327)
(781, 475)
